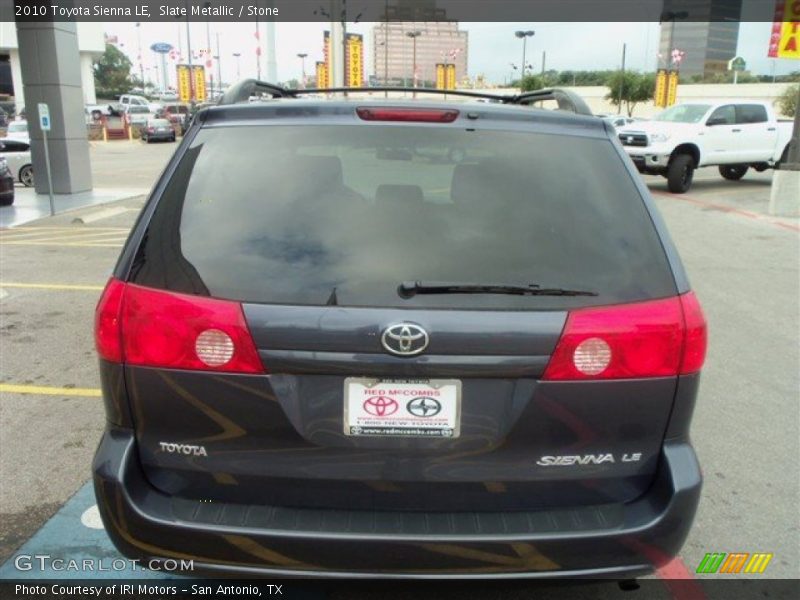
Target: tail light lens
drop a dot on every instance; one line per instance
(107, 321)
(660, 338)
(407, 114)
(155, 328)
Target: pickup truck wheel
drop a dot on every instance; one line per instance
(680, 173)
(733, 172)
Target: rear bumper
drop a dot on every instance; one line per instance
(622, 540)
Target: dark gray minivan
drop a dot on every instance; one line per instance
(387, 337)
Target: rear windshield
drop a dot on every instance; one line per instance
(343, 214)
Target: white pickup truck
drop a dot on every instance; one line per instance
(733, 136)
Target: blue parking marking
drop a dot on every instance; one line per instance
(72, 536)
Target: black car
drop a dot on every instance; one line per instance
(6, 184)
(399, 338)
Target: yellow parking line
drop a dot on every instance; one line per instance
(53, 286)
(47, 390)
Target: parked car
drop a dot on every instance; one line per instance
(732, 136)
(18, 157)
(618, 121)
(158, 129)
(323, 353)
(138, 115)
(176, 113)
(134, 100)
(18, 130)
(6, 184)
(167, 96)
(96, 111)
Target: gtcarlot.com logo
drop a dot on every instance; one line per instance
(735, 562)
(46, 562)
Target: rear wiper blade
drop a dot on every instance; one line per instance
(408, 289)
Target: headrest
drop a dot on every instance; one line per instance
(398, 195)
(325, 170)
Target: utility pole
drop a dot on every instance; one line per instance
(544, 58)
(621, 81)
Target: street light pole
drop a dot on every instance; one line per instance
(238, 65)
(141, 60)
(192, 97)
(386, 48)
(302, 57)
(219, 64)
(524, 35)
(621, 80)
(208, 57)
(414, 35)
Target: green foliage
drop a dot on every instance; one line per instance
(787, 101)
(112, 73)
(532, 82)
(630, 88)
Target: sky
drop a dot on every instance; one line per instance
(492, 46)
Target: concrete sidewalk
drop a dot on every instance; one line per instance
(29, 206)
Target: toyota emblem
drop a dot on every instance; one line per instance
(380, 406)
(405, 339)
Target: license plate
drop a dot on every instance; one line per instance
(402, 407)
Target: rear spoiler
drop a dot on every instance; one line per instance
(244, 90)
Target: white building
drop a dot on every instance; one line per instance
(91, 45)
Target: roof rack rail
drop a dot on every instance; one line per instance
(567, 99)
(241, 91)
(418, 90)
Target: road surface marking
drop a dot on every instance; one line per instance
(45, 390)
(102, 214)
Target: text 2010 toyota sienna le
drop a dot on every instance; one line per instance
(399, 338)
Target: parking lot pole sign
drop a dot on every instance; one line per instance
(44, 125)
(736, 65)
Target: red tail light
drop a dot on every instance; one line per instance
(107, 321)
(155, 328)
(151, 130)
(424, 115)
(660, 338)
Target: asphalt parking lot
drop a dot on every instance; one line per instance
(743, 265)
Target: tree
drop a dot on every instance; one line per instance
(531, 82)
(112, 73)
(636, 88)
(787, 101)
